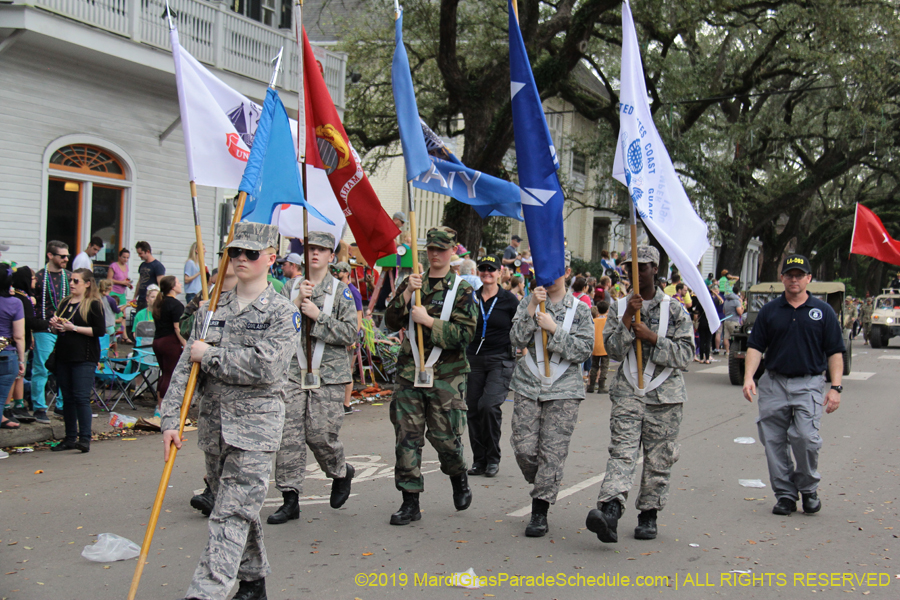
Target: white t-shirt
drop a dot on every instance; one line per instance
(83, 261)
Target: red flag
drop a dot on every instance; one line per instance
(871, 238)
(328, 147)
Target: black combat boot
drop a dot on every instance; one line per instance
(538, 526)
(462, 495)
(204, 502)
(604, 522)
(340, 488)
(288, 511)
(646, 529)
(252, 590)
(409, 510)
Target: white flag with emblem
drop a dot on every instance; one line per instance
(643, 164)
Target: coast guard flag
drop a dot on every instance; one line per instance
(271, 177)
(430, 164)
(541, 194)
(643, 164)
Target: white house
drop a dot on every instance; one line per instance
(90, 142)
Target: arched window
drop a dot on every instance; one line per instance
(86, 197)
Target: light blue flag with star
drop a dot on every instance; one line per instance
(540, 191)
(430, 165)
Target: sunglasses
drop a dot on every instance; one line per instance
(76, 280)
(251, 255)
(62, 256)
(487, 269)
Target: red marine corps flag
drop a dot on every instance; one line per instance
(870, 238)
(328, 147)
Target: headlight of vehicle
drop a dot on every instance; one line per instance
(889, 320)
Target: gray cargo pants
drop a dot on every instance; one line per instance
(790, 409)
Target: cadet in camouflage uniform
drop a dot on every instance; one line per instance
(313, 417)
(545, 411)
(649, 418)
(243, 368)
(442, 407)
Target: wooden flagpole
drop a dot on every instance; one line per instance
(636, 289)
(414, 248)
(301, 156)
(192, 379)
(543, 305)
(185, 406)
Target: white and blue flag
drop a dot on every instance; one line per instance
(429, 163)
(541, 193)
(643, 164)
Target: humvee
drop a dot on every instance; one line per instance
(885, 318)
(761, 293)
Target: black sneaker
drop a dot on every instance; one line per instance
(811, 503)
(785, 506)
(23, 415)
(476, 470)
(41, 417)
(348, 410)
(58, 411)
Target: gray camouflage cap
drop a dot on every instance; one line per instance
(443, 238)
(254, 236)
(322, 239)
(645, 254)
(341, 267)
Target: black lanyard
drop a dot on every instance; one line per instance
(485, 318)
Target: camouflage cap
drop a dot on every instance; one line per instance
(341, 267)
(645, 254)
(322, 239)
(442, 238)
(254, 236)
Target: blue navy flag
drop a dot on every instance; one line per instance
(541, 193)
(272, 177)
(430, 165)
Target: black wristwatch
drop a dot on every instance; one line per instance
(838, 388)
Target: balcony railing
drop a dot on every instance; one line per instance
(210, 31)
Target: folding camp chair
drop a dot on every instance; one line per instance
(103, 376)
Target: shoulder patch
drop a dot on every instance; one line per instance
(297, 319)
(347, 294)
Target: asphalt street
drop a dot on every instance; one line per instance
(717, 538)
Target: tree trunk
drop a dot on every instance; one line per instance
(466, 222)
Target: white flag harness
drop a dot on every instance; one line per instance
(557, 366)
(629, 367)
(449, 299)
(319, 348)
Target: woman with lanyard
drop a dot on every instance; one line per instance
(79, 325)
(492, 360)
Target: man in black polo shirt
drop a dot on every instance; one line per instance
(801, 337)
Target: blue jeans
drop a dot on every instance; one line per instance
(188, 297)
(9, 370)
(44, 343)
(76, 379)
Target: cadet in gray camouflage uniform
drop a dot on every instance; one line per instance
(442, 407)
(647, 418)
(313, 417)
(243, 368)
(546, 409)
